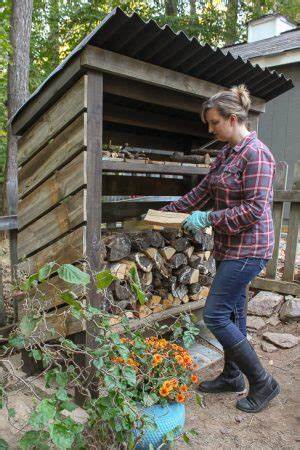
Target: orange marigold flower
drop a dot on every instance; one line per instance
(179, 359)
(183, 388)
(168, 385)
(174, 382)
(180, 398)
(164, 391)
(194, 378)
(157, 359)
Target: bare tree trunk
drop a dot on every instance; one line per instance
(17, 94)
(193, 7)
(54, 32)
(171, 7)
(231, 22)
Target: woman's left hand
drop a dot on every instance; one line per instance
(196, 221)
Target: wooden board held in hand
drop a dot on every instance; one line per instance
(166, 219)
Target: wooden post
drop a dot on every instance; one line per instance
(279, 183)
(293, 231)
(94, 132)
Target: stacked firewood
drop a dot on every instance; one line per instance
(173, 268)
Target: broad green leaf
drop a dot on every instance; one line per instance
(70, 298)
(11, 412)
(130, 375)
(45, 271)
(61, 436)
(98, 363)
(61, 394)
(44, 412)
(37, 355)
(16, 341)
(140, 295)
(134, 275)
(28, 324)
(31, 281)
(186, 438)
(67, 405)
(73, 275)
(61, 378)
(104, 279)
(199, 400)
(3, 444)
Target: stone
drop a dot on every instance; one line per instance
(283, 340)
(269, 348)
(290, 310)
(274, 321)
(255, 323)
(265, 303)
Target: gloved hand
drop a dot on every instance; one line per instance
(196, 221)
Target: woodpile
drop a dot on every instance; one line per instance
(173, 268)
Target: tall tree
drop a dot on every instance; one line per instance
(17, 94)
(231, 29)
(171, 7)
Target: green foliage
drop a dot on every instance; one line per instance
(135, 285)
(72, 274)
(3, 444)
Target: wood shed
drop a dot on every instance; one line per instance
(129, 83)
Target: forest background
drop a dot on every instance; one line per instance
(59, 25)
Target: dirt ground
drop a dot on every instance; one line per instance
(221, 426)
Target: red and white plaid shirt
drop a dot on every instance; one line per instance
(239, 184)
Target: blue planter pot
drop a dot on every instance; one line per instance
(167, 418)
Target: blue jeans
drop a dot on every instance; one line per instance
(224, 312)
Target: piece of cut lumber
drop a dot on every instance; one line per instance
(165, 218)
(119, 270)
(139, 225)
(167, 252)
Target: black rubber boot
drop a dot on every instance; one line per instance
(230, 380)
(262, 386)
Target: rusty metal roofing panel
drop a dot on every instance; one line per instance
(146, 41)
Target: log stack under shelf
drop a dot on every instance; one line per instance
(174, 268)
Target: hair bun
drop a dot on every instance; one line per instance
(242, 92)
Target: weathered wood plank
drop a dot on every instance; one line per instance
(69, 249)
(52, 157)
(151, 94)
(94, 133)
(47, 96)
(60, 220)
(165, 218)
(64, 324)
(283, 287)
(72, 103)
(114, 63)
(115, 166)
(277, 212)
(146, 119)
(287, 196)
(293, 231)
(8, 223)
(64, 182)
(48, 295)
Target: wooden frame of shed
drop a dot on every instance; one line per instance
(99, 95)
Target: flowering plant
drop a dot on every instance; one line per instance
(164, 370)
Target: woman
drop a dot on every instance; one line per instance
(240, 186)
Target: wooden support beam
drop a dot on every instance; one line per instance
(277, 213)
(287, 196)
(94, 135)
(113, 63)
(146, 119)
(115, 166)
(283, 287)
(8, 223)
(293, 231)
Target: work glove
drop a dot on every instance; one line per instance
(196, 221)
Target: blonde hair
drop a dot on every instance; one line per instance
(234, 101)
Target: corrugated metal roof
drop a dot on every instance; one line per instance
(285, 42)
(146, 41)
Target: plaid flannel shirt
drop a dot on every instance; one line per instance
(239, 184)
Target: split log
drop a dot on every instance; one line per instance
(192, 159)
(119, 270)
(195, 288)
(189, 251)
(203, 293)
(157, 308)
(144, 263)
(168, 302)
(142, 311)
(146, 278)
(122, 291)
(181, 244)
(139, 242)
(184, 274)
(177, 301)
(165, 218)
(158, 260)
(179, 291)
(155, 238)
(119, 248)
(185, 299)
(154, 301)
(178, 260)
(170, 234)
(167, 252)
